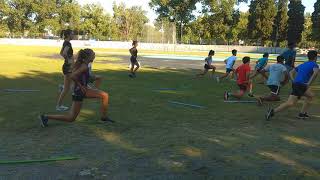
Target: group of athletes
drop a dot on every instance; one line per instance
(77, 71)
(276, 76)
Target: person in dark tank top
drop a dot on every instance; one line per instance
(67, 53)
(80, 75)
(133, 59)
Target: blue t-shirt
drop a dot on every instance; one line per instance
(208, 60)
(304, 72)
(230, 62)
(262, 62)
(276, 74)
(289, 56)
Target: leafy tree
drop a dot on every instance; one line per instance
(17, 15)
(242, 27)
(306, 40)
(69, 12)
(295, 21)
(261, 19)
(46, 17)
(95, 23)
(316, 21)
(280, 26)
(129, 21)
(180, 12)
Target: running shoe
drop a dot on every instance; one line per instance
(43, 120)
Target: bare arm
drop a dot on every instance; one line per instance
(314, 76)
(248, 77)
(64, 51)
(286, 79)
(292, 74)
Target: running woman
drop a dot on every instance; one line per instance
(278, 76)
(261, 64)
(80, 76)
(208, 64)
(67, 53)
(244, 83)
(303, 77)
(229, 65)
(134, 62)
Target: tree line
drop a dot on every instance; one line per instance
(39, 18)
(267, 23)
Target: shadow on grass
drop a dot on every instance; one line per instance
(151, 139)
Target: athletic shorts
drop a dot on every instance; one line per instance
(92, 79)
(78, 96)
(299, 90)
(259, 69)
(274, 89)
(206, 66)
(66, 68)
(228, 70)
(133, 60)
(243, 87)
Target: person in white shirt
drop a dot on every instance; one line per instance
(229, 65)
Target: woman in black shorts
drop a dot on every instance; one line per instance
(67, 53)
(80, 76)
(134, 62)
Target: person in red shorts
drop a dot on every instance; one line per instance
(244, 83)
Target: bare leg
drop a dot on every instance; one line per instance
(132, 67)
(264, 75)
(270, 98)
(98, 81)
(309, 97)
(213, 71)
(203, 73)
(254, 75)
(92, 93)
(290, 102)
(66, 88)
(238, 95)
(137, 67)
(224, 75)
(71, 116)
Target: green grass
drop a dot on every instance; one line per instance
(151, 139)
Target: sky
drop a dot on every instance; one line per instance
(107, 4)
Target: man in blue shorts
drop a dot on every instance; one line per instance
(230, 61)
(303, 77)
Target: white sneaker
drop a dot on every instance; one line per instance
(61, 108)
(218, 79)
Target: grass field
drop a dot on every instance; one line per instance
(152, 139)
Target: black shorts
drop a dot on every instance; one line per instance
(133, 60)
(299, 90)
(206, 66)
(228, 70)
(66, 68)
(92, 79)
(274, 89)
(259, 69)
(243, 87)
(78, 96)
